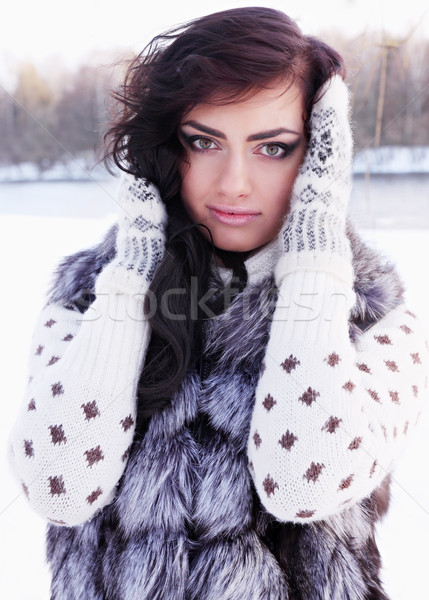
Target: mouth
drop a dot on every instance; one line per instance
(233, 216)
(233, 210)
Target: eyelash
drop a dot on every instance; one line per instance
(287, 149)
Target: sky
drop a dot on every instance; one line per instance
(46, 28)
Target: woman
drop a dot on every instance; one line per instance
(220, 389)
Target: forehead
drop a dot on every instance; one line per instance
(277, 106)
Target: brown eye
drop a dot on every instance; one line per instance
(204, 143)
(272, 149)
(276, 149)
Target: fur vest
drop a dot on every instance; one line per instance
(186, 523)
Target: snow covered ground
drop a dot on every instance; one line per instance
(30, 247)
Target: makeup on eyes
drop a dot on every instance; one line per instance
(288, 149)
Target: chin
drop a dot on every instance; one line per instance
(234, 246)
(236, 241)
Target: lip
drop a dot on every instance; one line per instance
(238, 210)
(233, 218)
(233, 215)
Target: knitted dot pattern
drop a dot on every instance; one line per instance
(71, 436)
(331, 419)
(71, 441)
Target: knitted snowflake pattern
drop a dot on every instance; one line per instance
(141, 235)
(321, 192)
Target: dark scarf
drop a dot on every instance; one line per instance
(187, 523)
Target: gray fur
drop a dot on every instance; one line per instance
(76, 273)
(187, 523)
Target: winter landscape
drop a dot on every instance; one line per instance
(57, 71)
(42, 221)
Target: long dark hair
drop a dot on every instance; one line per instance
(223, 57)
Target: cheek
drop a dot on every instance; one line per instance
(186, 185)
(281, 188)
(191, 194)
(191, 180)
(289, 178)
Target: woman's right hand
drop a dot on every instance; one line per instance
(70, 443)
(140, 240)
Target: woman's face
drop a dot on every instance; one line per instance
(243, 160)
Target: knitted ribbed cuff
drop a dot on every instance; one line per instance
(336, 265)
(113, 332)
(312, 306)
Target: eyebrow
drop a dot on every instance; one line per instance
(262, 135)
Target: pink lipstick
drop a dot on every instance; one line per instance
(233, 216)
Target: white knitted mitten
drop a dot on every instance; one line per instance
(313, 235)
(330, 415)
(71, 440)
(140, 240)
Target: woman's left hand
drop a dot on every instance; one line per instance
(313, 234)
(331, 415)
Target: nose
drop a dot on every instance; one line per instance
(234, 177)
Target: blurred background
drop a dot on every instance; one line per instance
(58, 66)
